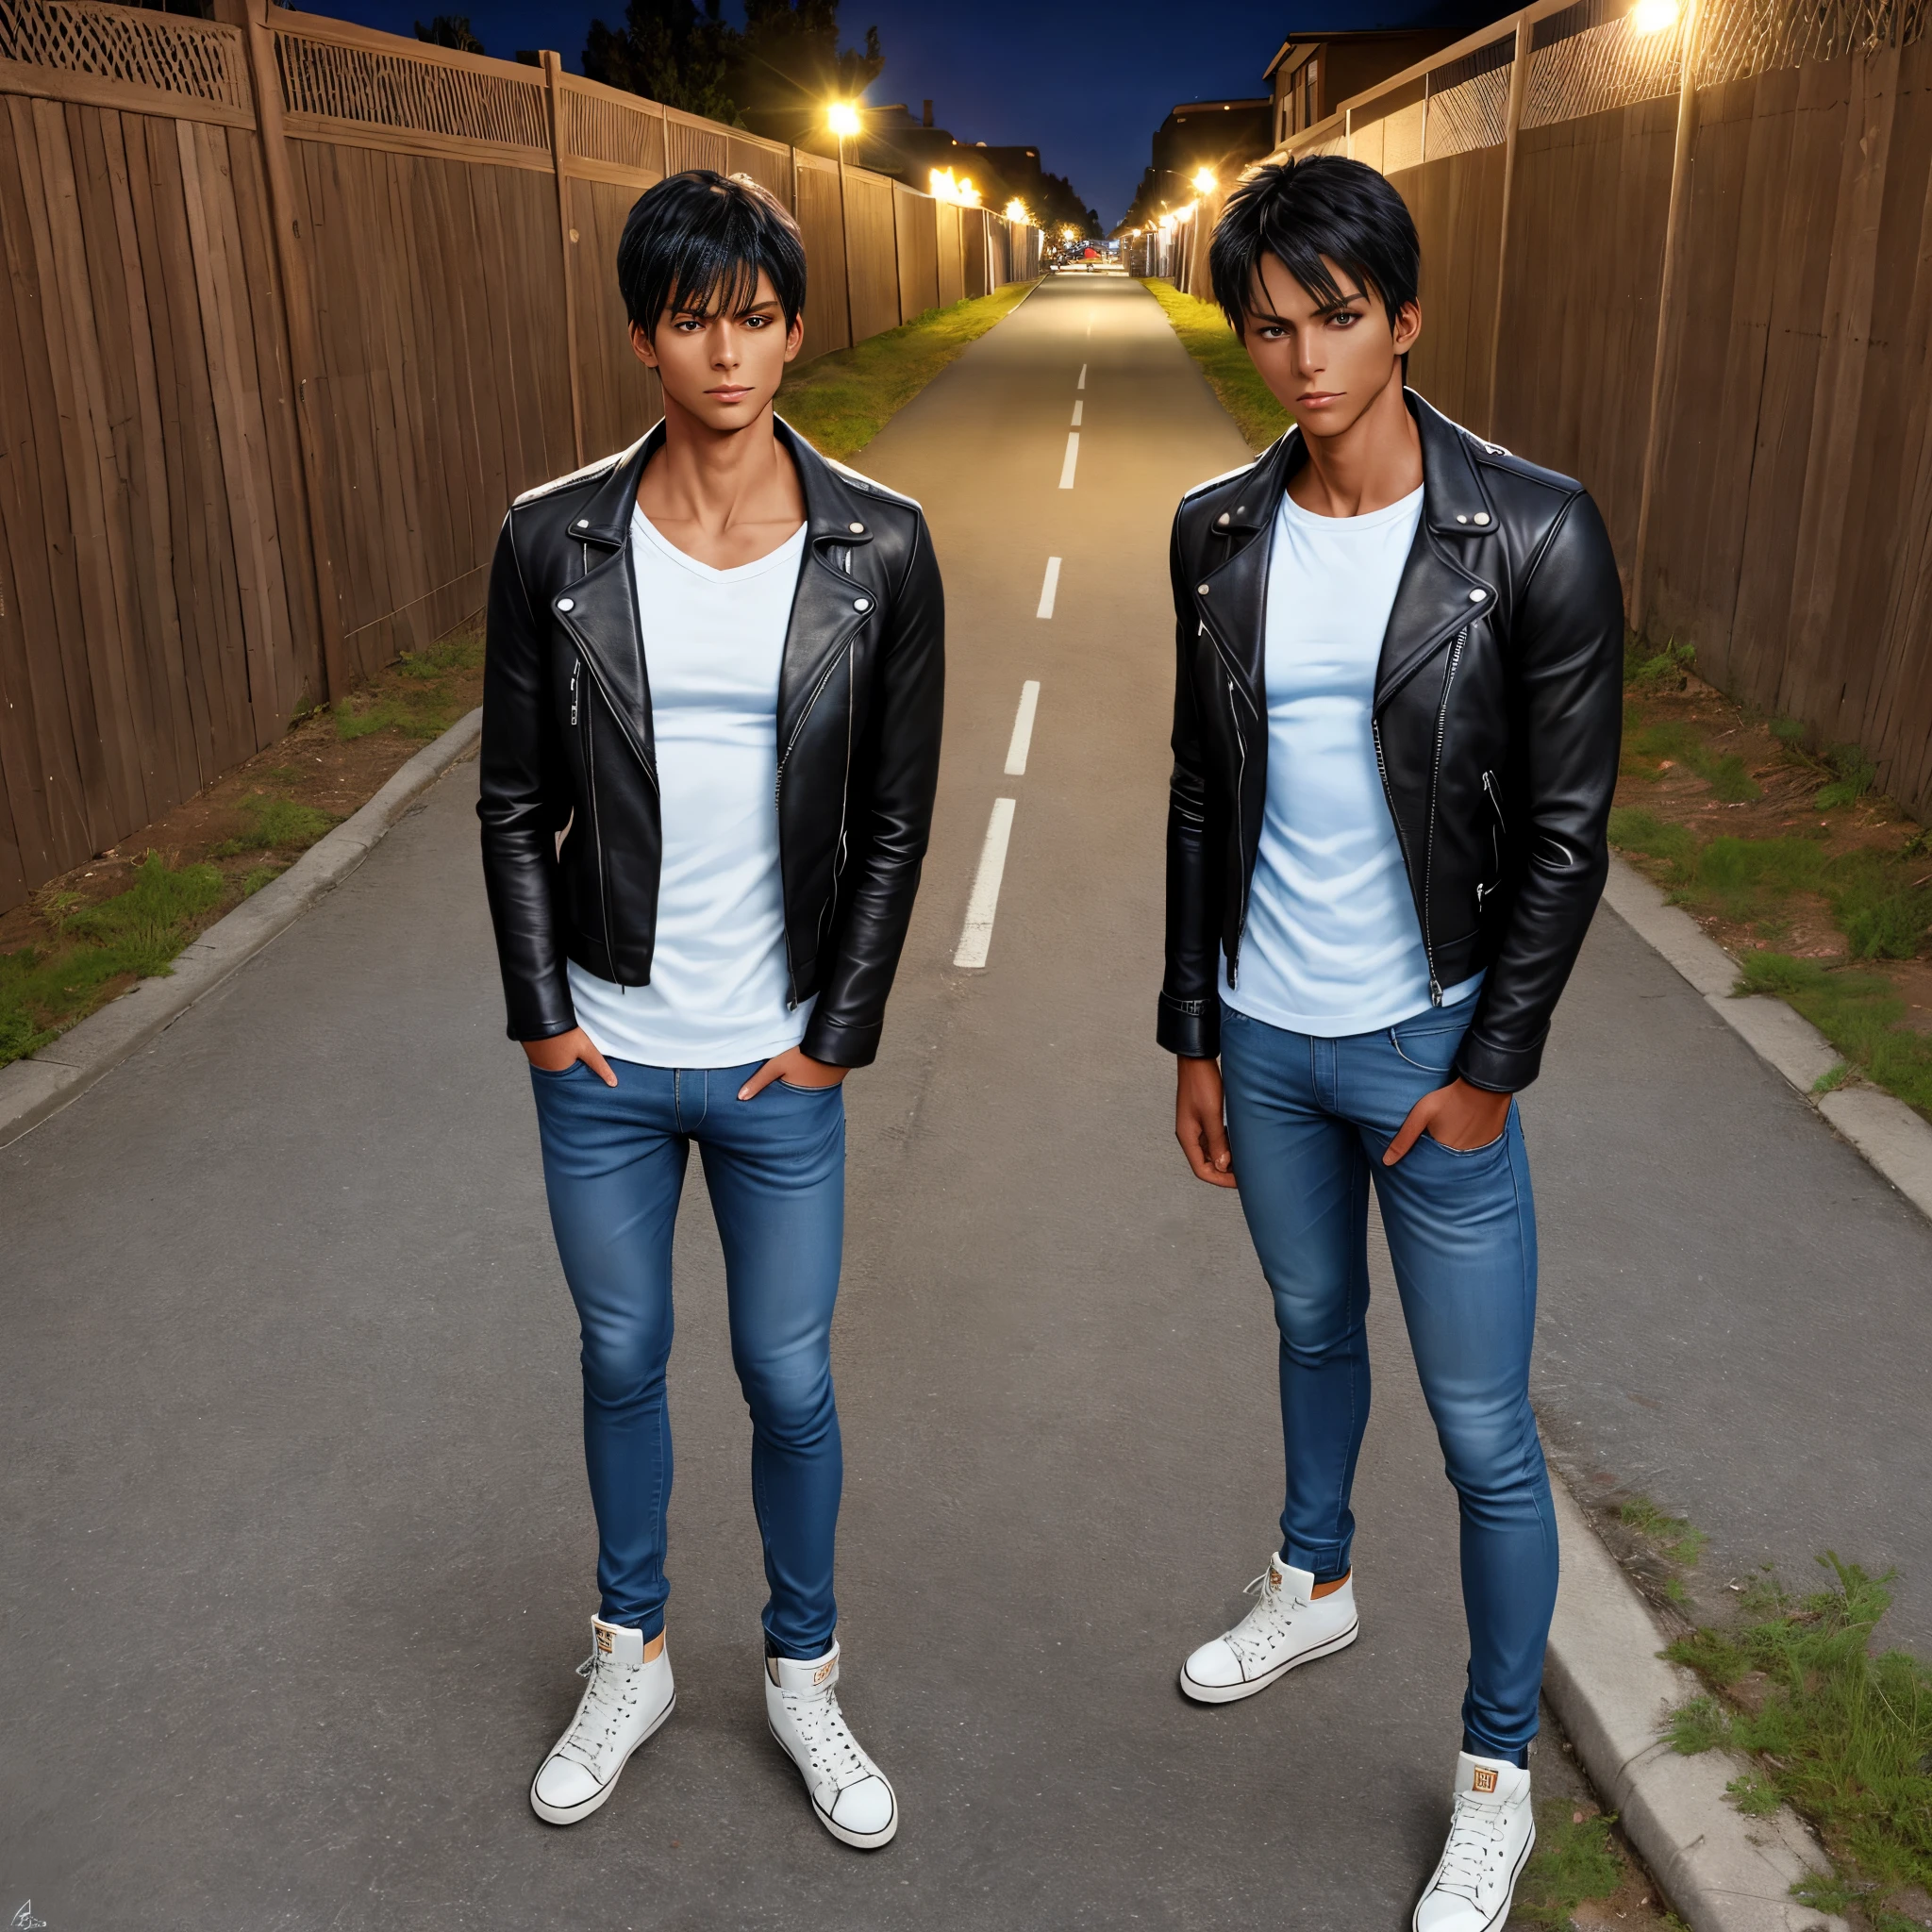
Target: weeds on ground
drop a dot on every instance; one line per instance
(1668, 669)
(1574, 1860)
(135, 933)
(1842, 1736)
(274, 824)
(1674, 1535)
(1859, 1014)
(420, 696)
(1650, 750)
(840, 401)
(1884, 912)
(1205, 335)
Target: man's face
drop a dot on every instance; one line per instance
(1324, 362)
(722, 364)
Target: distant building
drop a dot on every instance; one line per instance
(1220, 136)
(1317, 69)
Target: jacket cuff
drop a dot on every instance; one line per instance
(1189, 1027)
(839, 1044)
(1497, 1069)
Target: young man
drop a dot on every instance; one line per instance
(710, 743)
(1396, 738)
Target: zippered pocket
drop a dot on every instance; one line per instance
(1499, 832)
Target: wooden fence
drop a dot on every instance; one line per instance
(1694, 267)
(293, 310)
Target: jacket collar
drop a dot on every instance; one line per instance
(829, 606)
(1438, 592)
(834, 510)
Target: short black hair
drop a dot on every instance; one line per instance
(699, 240)
(1299, 210)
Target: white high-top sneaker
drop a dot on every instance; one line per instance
(1288, 1626)
(1491, 1832)
(848, 1791)
(625, 1702)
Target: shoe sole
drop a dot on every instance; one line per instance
(858, 1841)
(1233, 1694)
(1502, 1912)
(573, 1814)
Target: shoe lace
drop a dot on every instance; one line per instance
(1267, 1621)
(611, 1696)
(828, 1740)
(1475, 1839)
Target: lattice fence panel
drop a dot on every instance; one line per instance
(1610, 65)
(695, 144)
(1740, 38)
(181, 57)
(597, 129)
(342, 82)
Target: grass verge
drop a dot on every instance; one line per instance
(1818, 885)
(839, 402)
(1842, 1736)
(1205, 335)
(1574, 1860)
(91, 934)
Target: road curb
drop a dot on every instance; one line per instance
(1604, 1679)
(1884, 1129)
(31, 1089)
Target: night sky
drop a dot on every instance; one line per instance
(1087, 84)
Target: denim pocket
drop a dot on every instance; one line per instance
(558, 1072)
(1469, 1152)
(1430, 1049)
(792, 1085)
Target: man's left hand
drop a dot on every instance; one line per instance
(796, 1069)
(1458, 1115)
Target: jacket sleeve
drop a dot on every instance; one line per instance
(1567, 639)
(1190, 1014)
(520, 771)
(907, 712)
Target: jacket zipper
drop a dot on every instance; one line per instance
(1435, 787)
(576, 669)
(598, 837)
(778, 795)
(1240, 832)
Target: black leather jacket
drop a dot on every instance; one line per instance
(1497, 717)
(568, 747)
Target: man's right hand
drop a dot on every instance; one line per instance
(556, 1053)
(1198, 1125)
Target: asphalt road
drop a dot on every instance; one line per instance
(298, 1548)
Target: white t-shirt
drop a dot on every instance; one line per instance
(1333, 945)
(713, 643)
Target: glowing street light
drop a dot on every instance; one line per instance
(961, 193)
(841, 117)
(1016, 210)
(1204, 179)
(1654, 16)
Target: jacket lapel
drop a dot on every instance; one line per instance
(1232, 598)
(831, 605)
(1436, 596)
(600, 610)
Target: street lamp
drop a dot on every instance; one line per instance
(841, 117)
(1203, 177)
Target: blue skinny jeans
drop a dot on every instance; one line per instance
(613, 1164)
(1307, 1121)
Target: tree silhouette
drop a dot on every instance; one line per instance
(450, 30)
(668, 51)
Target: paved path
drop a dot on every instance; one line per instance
(298, 1546)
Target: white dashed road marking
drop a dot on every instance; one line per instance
(1082, 383)
(976, 938)
(1077, 408)
(1023, 729)
(1049, 588)
(1073, 457)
